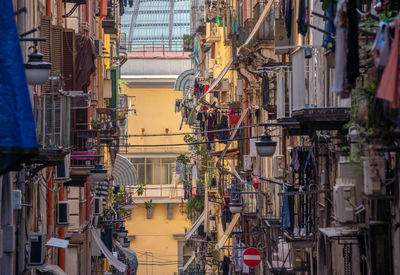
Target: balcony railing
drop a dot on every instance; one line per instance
(155, 46)
(303, 93)
(85, 145)
(53, 120)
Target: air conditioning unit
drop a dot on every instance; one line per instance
(278, 166)
(99, 47)
(36, 249)
(62, 213)
(62, 169)
(344, 202)
(17, 199)
(98, 206)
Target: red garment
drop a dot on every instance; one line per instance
(388, 86)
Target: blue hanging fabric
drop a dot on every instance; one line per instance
(285, 222)
(17, 126)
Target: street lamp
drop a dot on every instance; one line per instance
(266, 146)
(37, 71)
(98, 173)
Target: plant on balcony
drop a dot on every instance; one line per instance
(95, 124)
(188, 42)
(194, 207)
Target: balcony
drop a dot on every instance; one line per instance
(213, 34)
(109, 23)
(158, 193)
(304, 94)
(85, 145)
(52, 114)
(110, 26)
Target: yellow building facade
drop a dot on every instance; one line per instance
(156, 232)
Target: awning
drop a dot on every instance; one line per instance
(183, 80)
(195, 226)
(55, 269)
(189, 262)
(56, 242)
(132, 258)
(124, 172)
(338, 232)
(18, 133)
(121, 267)
(228, 231)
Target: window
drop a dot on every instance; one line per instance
(154, 170)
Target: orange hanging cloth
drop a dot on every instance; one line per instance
(388, 86)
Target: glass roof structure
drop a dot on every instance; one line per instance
(151, 24)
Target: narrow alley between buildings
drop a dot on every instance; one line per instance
(188, 137)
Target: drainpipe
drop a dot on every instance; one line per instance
(21, 225)
(50, 202)
(48, 8)
(61, 233)
(59, 13)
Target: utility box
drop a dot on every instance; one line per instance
(17, 199)
(374, 175)
(344, 202)
(278, 166)
(36, 249)
(62, 213)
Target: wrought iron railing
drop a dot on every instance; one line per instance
(153, 46)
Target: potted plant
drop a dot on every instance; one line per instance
(187, 42)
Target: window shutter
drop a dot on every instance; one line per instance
(45, 46)
(56, 50)
(68, 66)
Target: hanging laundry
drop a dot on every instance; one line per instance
(285, 222)
(194, 179)
(224, 135)
(288, 17)
(353, 61)
(302, 20)
(381, 46)
(328, 41)
(265, 89)
(389, 84)
(340, 49)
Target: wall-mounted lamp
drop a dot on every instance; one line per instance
(98, 173)
(37, 71)
(266, 146)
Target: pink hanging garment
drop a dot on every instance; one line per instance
(388, 87)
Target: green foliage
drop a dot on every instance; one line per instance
(148, 204)
(199, 150)
(95, 124)
(140, 189)
(194, 207)
(182, 158)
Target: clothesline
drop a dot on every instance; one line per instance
(191, 133)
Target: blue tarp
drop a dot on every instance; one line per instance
(17, 127)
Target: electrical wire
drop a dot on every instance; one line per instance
(191, 133)
(189, 143)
